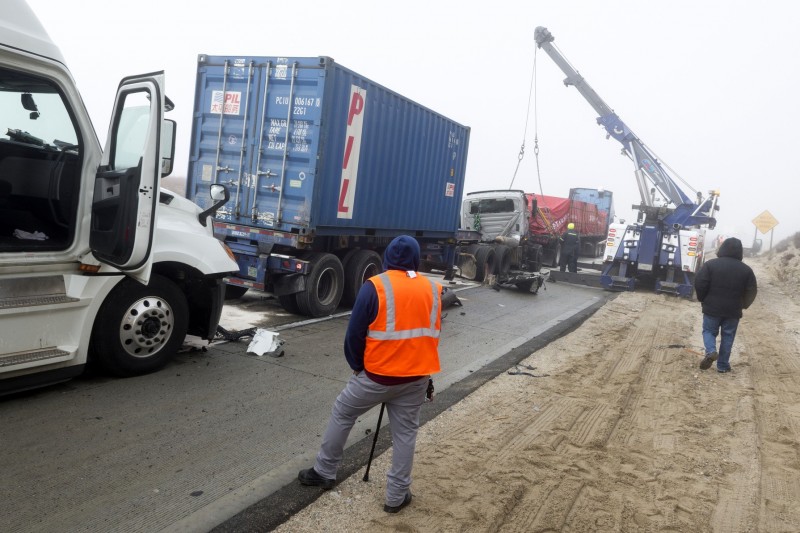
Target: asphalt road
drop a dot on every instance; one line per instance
(214, 441)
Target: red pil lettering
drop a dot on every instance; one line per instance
(347, 150)
(356, 107)
(343, 208)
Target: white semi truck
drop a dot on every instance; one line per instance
(97, 262)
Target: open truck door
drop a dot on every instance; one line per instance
(126, 184)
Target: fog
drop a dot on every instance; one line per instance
(710, 87)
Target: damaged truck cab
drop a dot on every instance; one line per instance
(95, 260)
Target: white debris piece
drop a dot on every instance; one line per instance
(266, 342)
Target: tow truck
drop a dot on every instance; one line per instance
(665, 244)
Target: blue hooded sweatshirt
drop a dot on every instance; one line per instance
(401, 254)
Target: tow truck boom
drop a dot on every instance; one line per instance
(664, 212)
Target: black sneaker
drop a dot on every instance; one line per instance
(396, 509)
(708, 360)
(311, 478)
(723, 370)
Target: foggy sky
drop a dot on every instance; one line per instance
(710, 87)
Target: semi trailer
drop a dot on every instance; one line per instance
(325, 168)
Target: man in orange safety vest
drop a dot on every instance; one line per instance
(391, 344)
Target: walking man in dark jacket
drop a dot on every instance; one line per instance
(724, 286)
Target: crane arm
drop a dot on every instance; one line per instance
(647, 165)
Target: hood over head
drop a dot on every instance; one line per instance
(731, 247)
(402, 254)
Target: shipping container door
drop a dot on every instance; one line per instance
(256, 129)
(287, 143)
(226, 96)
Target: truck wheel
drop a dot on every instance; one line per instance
(289, 303)
(324, 286)
(502, 259)
(600, 249)
(484, 259)
(556, 256)
(536, 252)
(139, 328)
(234, 292)
(358, 268)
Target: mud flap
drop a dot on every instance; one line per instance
(468, 266)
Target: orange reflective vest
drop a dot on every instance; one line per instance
(403, 339)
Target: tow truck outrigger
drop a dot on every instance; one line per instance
(666, 241)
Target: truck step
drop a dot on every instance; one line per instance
(36, 300)
(36, 356)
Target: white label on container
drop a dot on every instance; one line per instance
(352, 152)
(208, 173)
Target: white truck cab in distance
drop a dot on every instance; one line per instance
(96, 261)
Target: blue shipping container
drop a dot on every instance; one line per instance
(309, 147)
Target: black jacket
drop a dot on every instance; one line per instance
(571, 240)
(726, 285)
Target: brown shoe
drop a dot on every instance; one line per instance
(708, 360)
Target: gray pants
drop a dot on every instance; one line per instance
(403, 403)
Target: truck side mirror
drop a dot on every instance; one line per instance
(167, 147)
(220, 195)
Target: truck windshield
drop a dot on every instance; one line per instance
(492, 205)
(33, 111)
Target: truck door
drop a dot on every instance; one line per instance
(126, 184)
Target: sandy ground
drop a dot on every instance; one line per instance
(619, 431)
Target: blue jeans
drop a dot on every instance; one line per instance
(713, 325)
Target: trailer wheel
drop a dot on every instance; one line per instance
(324, 286)
(358, 268)
(556, 256)
(485, 259)
(502, 255)
(289, 303)
(536, 252)
(140, 327)
(234, 292)
(600, 249)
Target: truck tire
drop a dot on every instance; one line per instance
(485, 259)
(556, 256)
(502, 259)
(358, 268)
(324, 286)
(289, 303)
(139, 328)
(536, 252)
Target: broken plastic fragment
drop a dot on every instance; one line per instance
(265, 342)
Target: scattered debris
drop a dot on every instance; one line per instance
(266, 342)
(517, 372)
(234, 335)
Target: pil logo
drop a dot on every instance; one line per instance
(226, 102)
(352, 151)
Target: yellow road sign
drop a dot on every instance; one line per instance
(765, 222)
